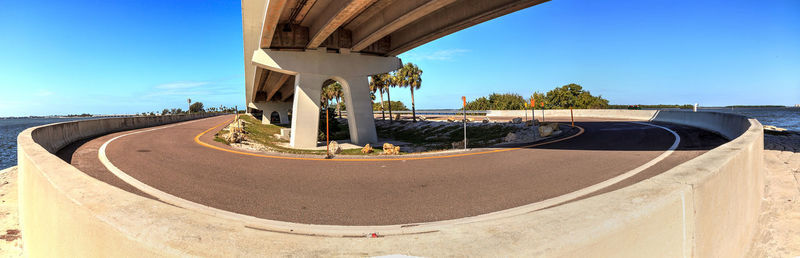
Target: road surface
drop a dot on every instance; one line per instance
(384, 192)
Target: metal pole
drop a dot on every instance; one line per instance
(572, 117)
(533, 107)
(327, 134)
(542, 112)
(464, 99)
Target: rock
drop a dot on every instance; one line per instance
(510, 137)
(367, 149)
(422, 118)
(451, 119)
(769, 129)
(234, 137)
(553, 126)
(486, 120)
(334, 147)
(459, 144)
(236, 127)
(545, 131)
(516, 120)
(529, 123)
(396, 116)
(390, 149)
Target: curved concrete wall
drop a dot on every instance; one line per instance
(706, 207)
(728, 125)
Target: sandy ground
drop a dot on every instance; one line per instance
(10, 237)
(780, 215)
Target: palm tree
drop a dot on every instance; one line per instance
(410, 76)
(336, 93)
(326, 96)
(379, 83)
(332, 91)
(393, 80)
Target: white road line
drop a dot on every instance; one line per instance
(340, 230)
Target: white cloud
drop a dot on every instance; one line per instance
(181, 85)
(194, 89)
(439, 55)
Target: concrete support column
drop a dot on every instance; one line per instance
(284, 114)
(359, 110)
(305, 110)
(312, 68)
(268, 107)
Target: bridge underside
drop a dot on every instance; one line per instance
(357, 29)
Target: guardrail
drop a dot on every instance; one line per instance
(705, 207)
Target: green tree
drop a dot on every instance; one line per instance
(410, 76)
(392, 80)
(396, 105)
(573, 96)
(332, 91)
(164, 112)
(378, 83)
(496, 101)
(539, 99)
(196, 107)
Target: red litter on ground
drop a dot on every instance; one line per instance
(374, 235)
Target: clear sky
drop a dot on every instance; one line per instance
(112, 57)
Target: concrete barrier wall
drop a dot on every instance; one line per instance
(728, 125)
(54, 221)
(603, 113)
(705, 207)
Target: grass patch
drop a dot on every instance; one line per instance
(441, 137)
(431, 136)
(217, 137)
(263, 134)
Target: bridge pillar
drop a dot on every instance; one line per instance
(305, 110)
(312, 68)
(268, 107)
(359, 110)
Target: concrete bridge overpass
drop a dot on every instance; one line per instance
(292, 46)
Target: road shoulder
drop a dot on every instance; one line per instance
(10, 236)
(780, 213)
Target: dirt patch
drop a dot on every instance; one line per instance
(9, 219)
(779, 234)
(11, 235)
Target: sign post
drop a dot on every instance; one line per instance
(542, 104)
(327, 136)
(533, 107)
(525, 110)
(572, 117)
(464, 100)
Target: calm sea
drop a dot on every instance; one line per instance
(11, 127)
(788, 118)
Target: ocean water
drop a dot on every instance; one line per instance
(788, 118)
(11, 127)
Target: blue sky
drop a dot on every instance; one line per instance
(135, 56)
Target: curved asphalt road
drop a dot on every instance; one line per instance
(383, 192)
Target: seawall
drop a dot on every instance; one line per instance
(705, 207)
